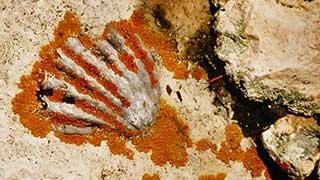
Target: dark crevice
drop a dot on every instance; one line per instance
(273, 168)
(314, 174)
(253, 117)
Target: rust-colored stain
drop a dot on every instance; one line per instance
(150, 177)
(231, 151)
(219, 176)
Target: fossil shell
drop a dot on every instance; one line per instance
(109, 82)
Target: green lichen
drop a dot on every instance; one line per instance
(295, 101)
(231, 44)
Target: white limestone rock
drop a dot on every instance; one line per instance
(272, 51)
(293, 142)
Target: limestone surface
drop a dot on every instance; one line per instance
(26, 27)
(271, 50)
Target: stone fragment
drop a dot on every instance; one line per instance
(293, 142)
(272, 51)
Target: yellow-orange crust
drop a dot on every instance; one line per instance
(219, 176)
(231, 151)
(150, 177)
(167, 139)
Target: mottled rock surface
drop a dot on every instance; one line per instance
(26, 27)
(293, 142)
(181, 19)
(272, 50)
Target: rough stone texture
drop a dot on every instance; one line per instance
(272, 50)
(25, 27)
(293, 142)
(182, 19)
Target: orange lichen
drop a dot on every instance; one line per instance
(231, 151)
(168, 140)
(205, 144)
(71, 138)
(150, 177)
(128, 61)
(127, 30)
(60, 119)
(219, 176)
(166, 48)
(96, 137)
(117, 145)
(114, 68)
(29, 108)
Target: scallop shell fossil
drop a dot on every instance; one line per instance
(81, 84)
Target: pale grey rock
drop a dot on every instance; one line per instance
(293, 142)
(272, 50)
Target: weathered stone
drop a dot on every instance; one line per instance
(181, 19)
(272, 51)
(293, 142)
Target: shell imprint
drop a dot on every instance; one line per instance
(110, 82)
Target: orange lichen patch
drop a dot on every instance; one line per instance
(127, 30)
(128, 61)
(151, 177)
(29, 108)
(71, 138)
(205, 144)
(88, 43)
(231, 151)
(114, 68)
(253, 163)
(220, 176)
(69, 27)
(60, 119)
(57, 96)
(117, 145)
(97, 136)
(166, 48)
(168, 140)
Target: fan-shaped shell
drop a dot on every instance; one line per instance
(109, 82)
